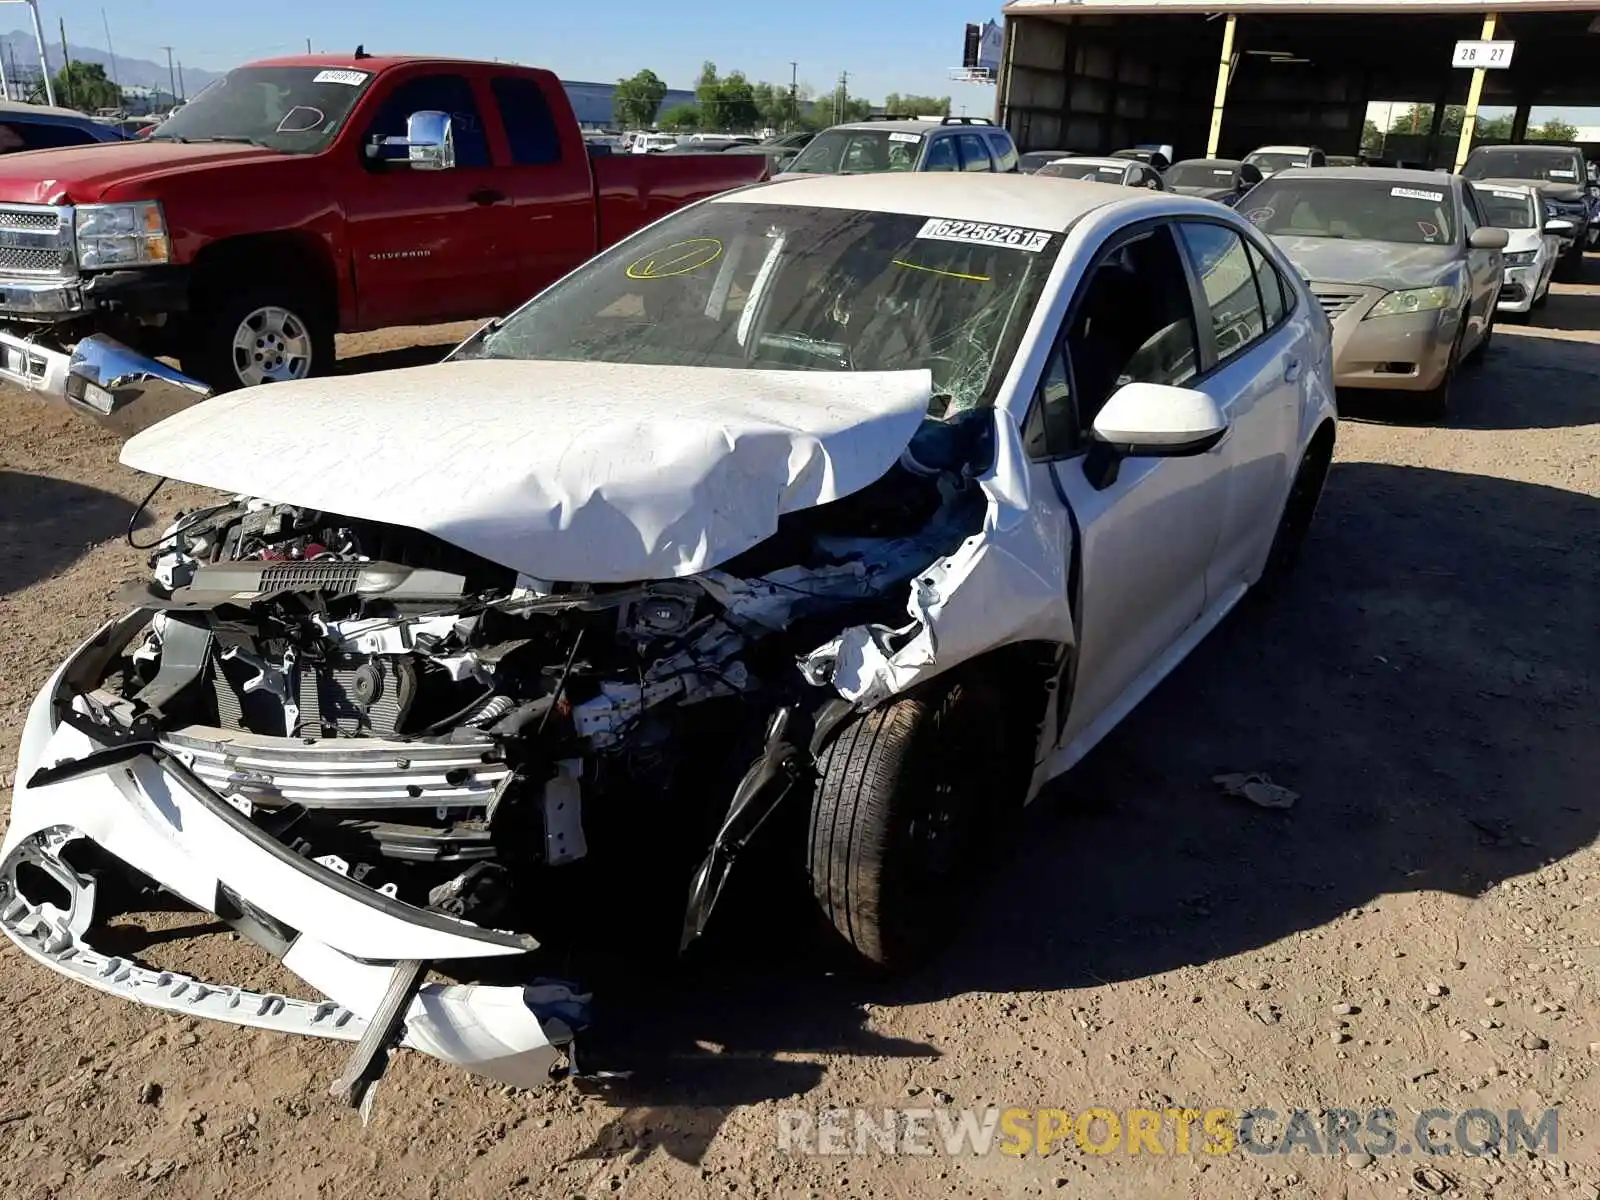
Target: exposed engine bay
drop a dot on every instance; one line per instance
(451, 734)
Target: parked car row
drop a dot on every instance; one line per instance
(301, 197)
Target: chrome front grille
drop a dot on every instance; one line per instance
(1336, 303)
(29, 218)
(29, 260)
(36, 242)
(339, 773)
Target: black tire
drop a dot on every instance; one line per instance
(1434, 404)
(1569, 267)
(898, 818)
(211, 356)
(1298, 510)
(1482, 348)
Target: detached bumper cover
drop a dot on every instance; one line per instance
(344, 939)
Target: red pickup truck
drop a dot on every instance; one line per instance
(300, 197)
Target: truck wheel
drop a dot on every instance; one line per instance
(898, 818)
(262, 335)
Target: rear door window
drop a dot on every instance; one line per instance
(530, 128)
(941, 155)
(1228, 280)
(974, 154)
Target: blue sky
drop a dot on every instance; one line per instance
(886, 46)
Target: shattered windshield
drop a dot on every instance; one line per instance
(294, 109)
(1421, 214)
(774, 287)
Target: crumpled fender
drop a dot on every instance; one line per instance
(1006, 583)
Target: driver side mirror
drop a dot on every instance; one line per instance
(429, 143)
(1488, 238)
(1151, 420)
(1247, 176)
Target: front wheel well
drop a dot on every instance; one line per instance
(295, 259)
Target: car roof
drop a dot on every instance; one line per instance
(1207, 162)
(1284, 149)
(1568, 146)
(1102, 160)
(1391, 175)
(910, 125)
(990, 197)
(19, 108)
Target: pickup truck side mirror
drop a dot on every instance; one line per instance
(429, 143)
(431, 140)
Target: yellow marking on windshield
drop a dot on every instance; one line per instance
(680, 258)
(940, 271)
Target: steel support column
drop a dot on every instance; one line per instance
(1475, 93)
(1224, 76)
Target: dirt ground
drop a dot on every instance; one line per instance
(1420, 930)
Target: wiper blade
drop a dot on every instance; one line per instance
(236, 138)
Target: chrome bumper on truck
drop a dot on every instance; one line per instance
(82, 777)
(100, 377)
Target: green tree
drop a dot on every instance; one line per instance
(897, 105)
(681, 117)
(1554, 130)
(1371, 138)
(85, 86)
(1493, 129)
(638, 100)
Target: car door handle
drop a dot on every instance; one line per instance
(1291, 370)
(486, 196)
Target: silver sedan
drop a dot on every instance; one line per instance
(1404, 264)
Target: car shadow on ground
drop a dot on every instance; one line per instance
(47, 524)
(393, 360)
(1423, 683)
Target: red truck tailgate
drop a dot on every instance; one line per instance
(632, 190)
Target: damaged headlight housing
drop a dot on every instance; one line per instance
(1414, 300)
(122, 235)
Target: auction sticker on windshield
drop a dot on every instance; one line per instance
(913, 138)
(1510, 195)
(353, 78)
(1415, 194)
(941, 229)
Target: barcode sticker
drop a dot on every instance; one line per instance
(353, 78)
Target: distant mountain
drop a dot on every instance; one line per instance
(18, 47)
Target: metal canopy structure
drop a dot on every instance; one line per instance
(1223, 76)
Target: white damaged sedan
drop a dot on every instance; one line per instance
(832, 515)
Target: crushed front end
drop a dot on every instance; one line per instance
(416, 776)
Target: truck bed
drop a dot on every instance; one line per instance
(632, 190)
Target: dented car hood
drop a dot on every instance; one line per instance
(579, 472)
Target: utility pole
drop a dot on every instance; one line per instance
(794, 94)
(5, 85)
(308, 45)
(66, 64)
(44, 62)
(840, 96)
(183, 88)
(172, 77)
(113, 55)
